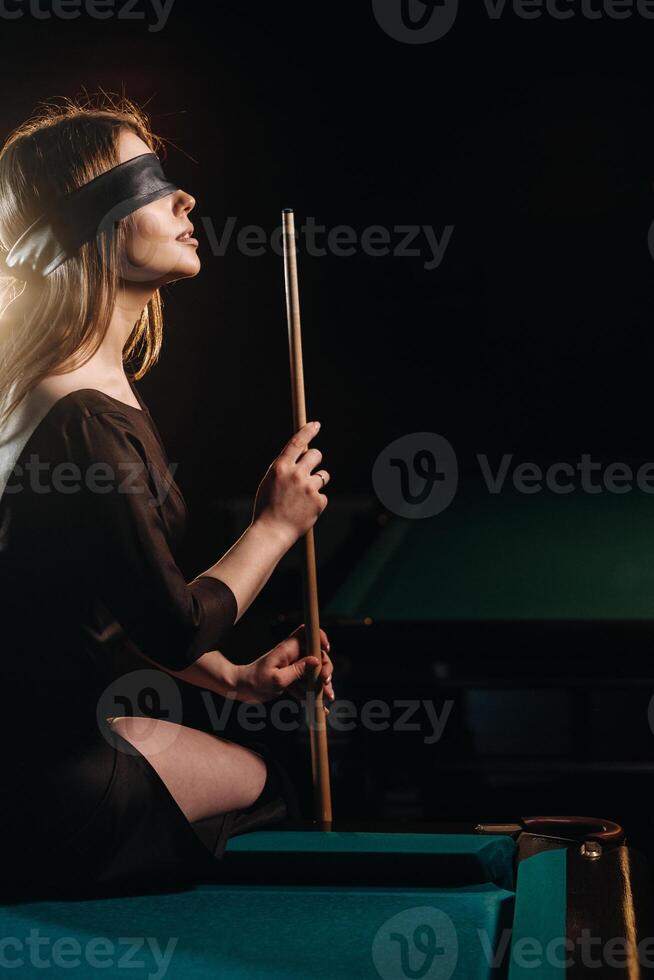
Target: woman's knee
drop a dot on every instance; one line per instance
(146, 734)
(206, 774)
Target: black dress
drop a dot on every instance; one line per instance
(90, 520)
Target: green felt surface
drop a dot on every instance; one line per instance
(263, 933)
(308, 932)
(509, 556)
(484, 857)
(539, 926)
(356, 842)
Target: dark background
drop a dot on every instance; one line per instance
(533, 138)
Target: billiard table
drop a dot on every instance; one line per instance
(301, 903)
(530, 618)
(500, 588)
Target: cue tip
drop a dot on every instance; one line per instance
(287, 210)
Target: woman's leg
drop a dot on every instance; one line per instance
(205, 774)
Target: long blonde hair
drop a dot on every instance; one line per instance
(42, 325)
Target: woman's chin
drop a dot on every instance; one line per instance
(192, 270)
(186, 268)
(166, 264)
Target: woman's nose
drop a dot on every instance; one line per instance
(185, 202)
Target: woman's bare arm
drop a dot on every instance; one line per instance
(250, 562)
(245, 568)
(282, 667)
(288, 502)
(213, 672)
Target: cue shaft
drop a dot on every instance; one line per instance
(315, 704)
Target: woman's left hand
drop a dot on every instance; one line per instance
(285, 668)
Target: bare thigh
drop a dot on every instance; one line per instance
(205, 774)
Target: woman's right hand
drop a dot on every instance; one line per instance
(285, 669)
(289, 497)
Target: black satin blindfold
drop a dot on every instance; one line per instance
(85, 212)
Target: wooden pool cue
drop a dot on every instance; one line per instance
(315, 704)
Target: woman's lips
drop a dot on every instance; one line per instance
(187, 237)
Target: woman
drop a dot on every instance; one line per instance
(90, 229)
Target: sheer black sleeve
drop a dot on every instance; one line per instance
(171, 621)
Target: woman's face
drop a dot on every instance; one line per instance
(160, 243)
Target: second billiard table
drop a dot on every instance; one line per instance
(530, 617)
(554, 586)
